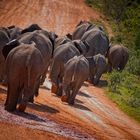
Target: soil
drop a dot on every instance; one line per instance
(93, 116)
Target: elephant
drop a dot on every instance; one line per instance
(44, 42)
(76, 72)
(61, 40)
(31, 28)
(14, 32)
(61, 55)
(97, 41)
(97, 66)
(117, 57)
(24, 65)
(4, 38)
(81, 28)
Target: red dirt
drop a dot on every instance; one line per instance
(93, 116)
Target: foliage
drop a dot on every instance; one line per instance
(124, 17)
(124, 89)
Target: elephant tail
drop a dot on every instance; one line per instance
(28, 66)
(75, 68)
(29, 63)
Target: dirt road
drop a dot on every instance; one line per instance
(93, 116)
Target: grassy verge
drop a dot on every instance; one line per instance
(124, 87)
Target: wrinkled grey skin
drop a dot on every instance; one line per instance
(76, 72)
(117, 57)
(24, 67)
(98, 42)
(4, 38)
(81, 28)
(61, 55)
(61, 40)
(44, 42)
(97, 66)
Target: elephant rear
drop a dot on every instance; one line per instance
(24, 66)
(117, 57)
(76, 72)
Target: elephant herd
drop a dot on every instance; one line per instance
(27, 54)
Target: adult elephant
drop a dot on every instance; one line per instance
(97, 66)
(4, 38)
(61, 40)
(61, 55)
(117, 57)
(81, 28)
(24, 66)
(76, 72)
(44, 42)
(97, 40)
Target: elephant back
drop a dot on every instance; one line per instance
(98, 42)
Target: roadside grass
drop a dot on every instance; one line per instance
(124, 89)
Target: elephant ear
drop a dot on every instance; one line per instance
(31, 28)
(11, 27)
(69, 36)
(52, 37)
(9, 46)
(86, 45)
(101, 28)
(77, 45)
(7, 31)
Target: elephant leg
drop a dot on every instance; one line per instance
(7, 98)
(109, 67)
(72, 96)
(59, 90)
(28, 92)
(37, 85)
(97, 78)
(36, 91)
(66, 93)
(54, 76)
(12, 98)
(74, 93)
(43, 77)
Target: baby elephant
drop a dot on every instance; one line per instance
(97, 66)
(24, 65)
(76, 72)
(117, 57)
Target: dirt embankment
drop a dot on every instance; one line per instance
(93, 116)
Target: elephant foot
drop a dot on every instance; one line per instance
(9, 108)
(36, 94)
(21, 108)
(64, 98)
(54, 88)
(59, 93)
(31, 100)
(71, 102)
(4, 83)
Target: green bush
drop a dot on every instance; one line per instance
(124, 87)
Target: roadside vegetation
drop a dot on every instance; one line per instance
(124, 18)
